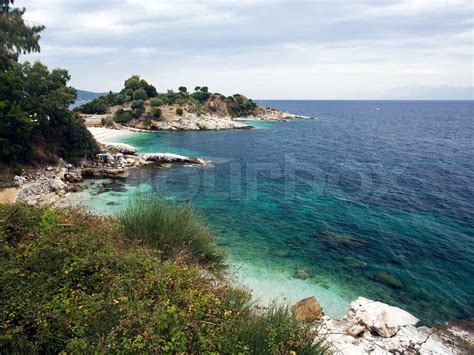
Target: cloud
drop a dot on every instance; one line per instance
(265, 48)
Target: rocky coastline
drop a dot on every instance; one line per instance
(192, 121)
(50, 185)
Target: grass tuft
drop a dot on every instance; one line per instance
(174, 229)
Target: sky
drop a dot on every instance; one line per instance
(265, 49)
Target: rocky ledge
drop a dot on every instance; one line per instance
(372, 327)
(192, 122)
(47, 186)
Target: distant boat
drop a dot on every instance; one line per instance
(377, 109)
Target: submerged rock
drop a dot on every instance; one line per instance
(302, 273)
(335, 239)
(308, 309)
(355, 263)
(387, 279)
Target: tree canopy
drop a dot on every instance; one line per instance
(34, 101)
(16, 37)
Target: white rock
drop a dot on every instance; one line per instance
(170, 158)
(384, 319)
(121, 148)
(434, 345)
(19, 180)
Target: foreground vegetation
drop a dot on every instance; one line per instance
(80, 283)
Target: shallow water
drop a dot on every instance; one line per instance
(372, 198)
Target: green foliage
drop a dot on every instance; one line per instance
(132, 83)
(201, 96)
(156, 112)
(71, 284)
(48, 220)
(273, 331)
(75, 142)
(197, 88)
(150, 90)
(140, 94)
(183, 89)
(138, 104)
(16, 37)
(240, 106)
(19, 170)
(174, 229)
(134, 89)
(122, 116)
(204, 89)
(34, 108)
(138, 107)
(155, 102)
(179, 111)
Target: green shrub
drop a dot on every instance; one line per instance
(155, 102)
(140, 94)
(122, 116)
(19, 170)
(138, 104)
(174, 229)
(179, 111)
(156, 112)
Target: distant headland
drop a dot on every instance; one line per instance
(139, 105)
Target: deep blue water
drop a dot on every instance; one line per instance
(368, 187)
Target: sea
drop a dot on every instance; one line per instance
(367, 198)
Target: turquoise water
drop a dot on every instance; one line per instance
(371, 199)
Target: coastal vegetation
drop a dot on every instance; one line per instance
(74, 282)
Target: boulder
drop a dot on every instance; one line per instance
(307, 310)
(19, 180)
(73, 188)
(379, 317)
(73, 177)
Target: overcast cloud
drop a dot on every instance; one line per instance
(266, 49)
